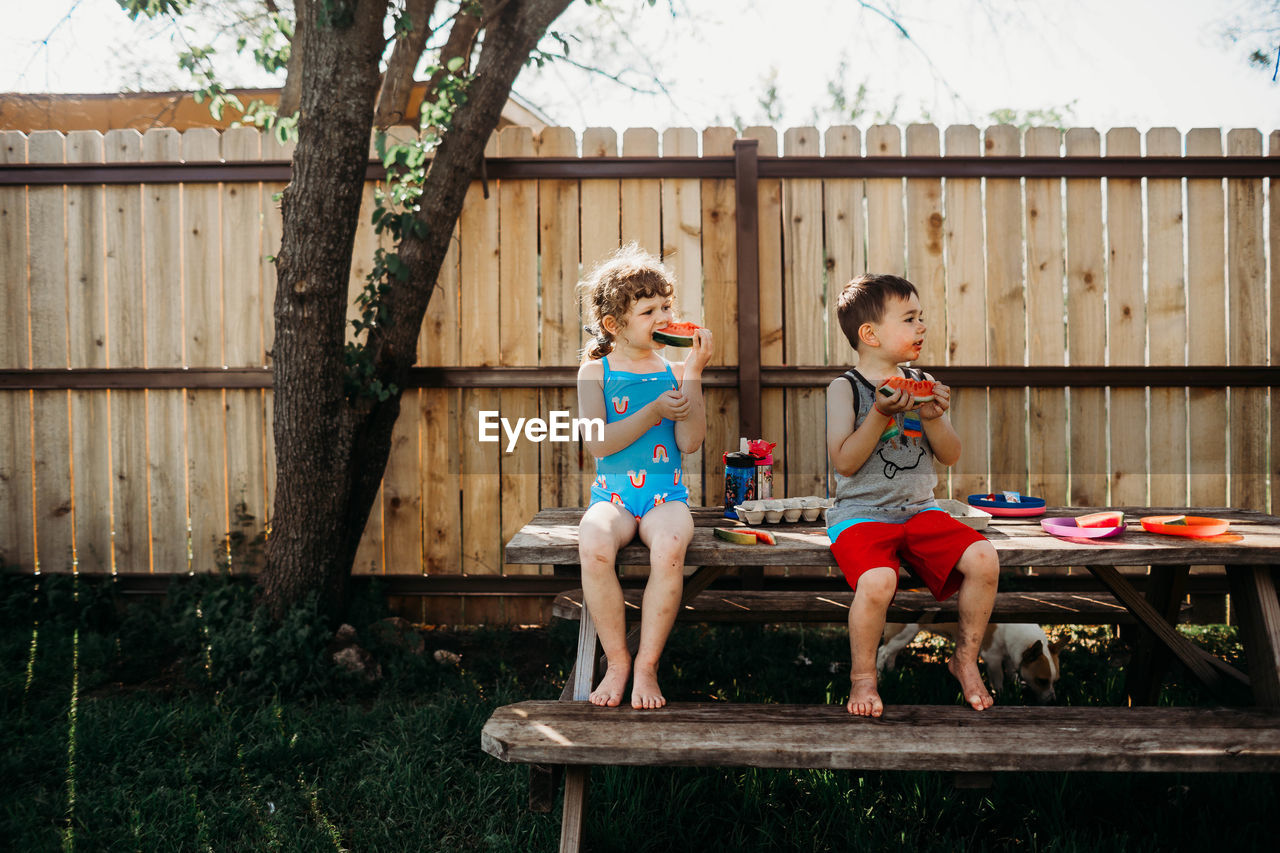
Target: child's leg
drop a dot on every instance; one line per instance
(866, 622)
(605, 528)
(980, 568)
(666, 529)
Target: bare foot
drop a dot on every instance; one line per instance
(864, 700)
(975, 692)
(645, 693)
(612, 686)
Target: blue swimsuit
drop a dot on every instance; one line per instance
(646, 472)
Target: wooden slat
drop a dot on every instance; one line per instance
(1046, 320)
(87, 347)
(1274, 241)
(162, 269)
(775, 606)
(926, 266)
(1006, 314)
(551, 537)
(966, 314)
(1166, 322)
(202, 313)
(17, 532)
(886, 235)
(844, 240)
(682, 254)
(907, 737)
(1247, 319)
(641, 198)
(242, 340)
(806, 320)
(126, 312)
(479, 473)
(1126, 323)
(720, 304)
(1207, 323)
(518, 301)
(601, 228)
(1253, 591)
(1086, 329)
(48, 295)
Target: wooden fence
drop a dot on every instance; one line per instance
(1144, 282)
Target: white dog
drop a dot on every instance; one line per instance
(1014, 650)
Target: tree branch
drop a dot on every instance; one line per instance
(397, 83)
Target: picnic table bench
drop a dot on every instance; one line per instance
(576, 734)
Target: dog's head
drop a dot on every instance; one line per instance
(1039, 669)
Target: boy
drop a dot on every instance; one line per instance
(882, 449)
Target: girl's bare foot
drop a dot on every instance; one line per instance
(975, 692)
(612, 686)
(864, 700)
(645, 693)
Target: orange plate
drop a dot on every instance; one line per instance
(1197, 526)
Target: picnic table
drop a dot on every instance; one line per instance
(574, 733)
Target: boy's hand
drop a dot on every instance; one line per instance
(901, 401)
(672, 405)
(937, 407)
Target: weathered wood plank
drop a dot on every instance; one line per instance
(772, 606)
(907, 737)
(551, 537)
(1253, 593)
(17, 533)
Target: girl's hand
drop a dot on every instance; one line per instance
(700, 355)
(937, 407)
(672, 405)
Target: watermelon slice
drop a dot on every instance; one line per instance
(763, 536)
(1177, 519)
(921, 390)
(1101, 519)
(677, 334)
(736, 536)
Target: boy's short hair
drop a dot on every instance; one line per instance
(863, 300)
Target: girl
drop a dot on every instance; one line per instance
(653, 412)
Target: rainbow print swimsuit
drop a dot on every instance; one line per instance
(647, 472)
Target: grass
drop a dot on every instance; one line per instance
(126, 727)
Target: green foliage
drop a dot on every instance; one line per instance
(1060, 117)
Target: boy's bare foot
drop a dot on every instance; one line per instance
(864, 699)
(612, 686)
(975, 692)
(645, 693)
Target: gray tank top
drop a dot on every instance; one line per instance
(898, 478)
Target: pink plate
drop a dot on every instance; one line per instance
(1067, 527)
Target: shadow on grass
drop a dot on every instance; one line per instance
(177, 746)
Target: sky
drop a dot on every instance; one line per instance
(1098, 63)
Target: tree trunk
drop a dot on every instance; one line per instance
(331, 453)
(314, 426)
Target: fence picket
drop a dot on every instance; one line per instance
(1086, 325)
(1207, 323)
(641, 199)
(966, 313)
(1247, 317)
(17, 533)
(769, 260)
(47, 282)
(1006, 313)
(1166, 323)
(886, 235)
(1273, 241)
(126, 307)
(720, 305)
(1046, 320)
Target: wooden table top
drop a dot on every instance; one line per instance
(551, 538)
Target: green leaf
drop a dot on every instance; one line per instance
(454, 64)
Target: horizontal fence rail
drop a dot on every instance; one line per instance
(1102, 302)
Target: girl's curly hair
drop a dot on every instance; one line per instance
(617, 283)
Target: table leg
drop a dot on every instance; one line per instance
(575, 804)
(579, 684)
(1165, 590)
(1254, 600)
(1183, 649)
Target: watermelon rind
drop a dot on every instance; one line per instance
(736, 536)
(762, 535)
(673, 339)
(1101, 519)
(894, 382)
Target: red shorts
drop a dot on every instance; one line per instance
(929, 544)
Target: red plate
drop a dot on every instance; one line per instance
(1197, 526)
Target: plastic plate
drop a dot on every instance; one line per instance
(1067, 527)
(1197, 526)
(1028, 506)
